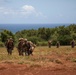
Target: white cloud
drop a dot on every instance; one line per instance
(26, 10)
(30, 10)
(6, 11)
(41, 14)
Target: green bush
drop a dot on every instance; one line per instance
(34, 39)
(1, 44)
(44, 43)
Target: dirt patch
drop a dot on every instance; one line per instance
(53, 69)
(43, 62)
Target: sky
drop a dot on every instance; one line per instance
(37, 11)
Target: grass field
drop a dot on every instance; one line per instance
(40, 55)
(45, 61)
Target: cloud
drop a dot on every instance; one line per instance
(6, 11)
(28, 8)
(25, 11)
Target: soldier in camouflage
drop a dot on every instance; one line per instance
(73, 43)
(10, 46)
(49, 43)
(58, 44)
(20, 47)
(32, 47)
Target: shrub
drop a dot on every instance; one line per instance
(34, 39)
(1, 44)
(44, 43)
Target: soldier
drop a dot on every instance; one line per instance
(6, 43)
(26, 47)
(49, 43)
(32, 47)
(72, 43)
(9, 45)
(20, 46)
(57, 44)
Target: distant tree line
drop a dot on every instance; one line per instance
(63, 34)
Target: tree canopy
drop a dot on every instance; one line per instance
(63, 34)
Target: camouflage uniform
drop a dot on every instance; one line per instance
(49, 43)
(32, 47)
(57, 44)
(26, 47)
(9, 45)
(20, 46)
(72, 43)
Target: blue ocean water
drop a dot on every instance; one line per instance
(18, 27)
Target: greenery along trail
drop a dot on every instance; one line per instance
(63, 34)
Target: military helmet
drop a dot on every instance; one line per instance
(25, 39)
(20, 39)
(10, 39)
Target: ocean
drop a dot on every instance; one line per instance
(18, 27)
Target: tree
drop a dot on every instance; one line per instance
(6, 35)
(48, 34)
(42, 33)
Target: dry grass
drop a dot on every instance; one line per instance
(42, 56)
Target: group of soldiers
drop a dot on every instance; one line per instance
(27, 47)
(58, 44)
(50, 44)
(24, 46)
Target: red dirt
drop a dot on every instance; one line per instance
(23, 69)
(63, 67)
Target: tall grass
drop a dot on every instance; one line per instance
(41, 55)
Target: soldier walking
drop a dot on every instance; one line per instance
(26, 47)
(58, 44)
(72, 43)
(49, 43)
(32, 47)
(10, 46)
(20, 46)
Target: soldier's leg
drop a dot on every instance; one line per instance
(26, 52)
(10, 51)
(19, 51)
(57, 46)
(31, 52)
(49, 46)
(72, 46)
(22, 53)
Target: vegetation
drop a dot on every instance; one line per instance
(41, 56)
(64, 34)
